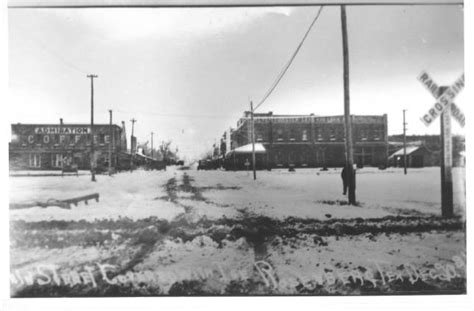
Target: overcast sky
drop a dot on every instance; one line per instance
(188, 74)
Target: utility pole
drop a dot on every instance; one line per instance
(347, 112)
(131, 145)
(446, 162)
(404, 143)
(92, 76)
(110, 143)
(253, 140)
(152, 145)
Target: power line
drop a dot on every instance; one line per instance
(288, 64)
(176, 115)
(49, 51)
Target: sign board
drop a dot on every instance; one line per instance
(444, 99)
(458, 115)
(445, 108)
(83, 130)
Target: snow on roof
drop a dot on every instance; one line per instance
(259, 148)
(410, 150)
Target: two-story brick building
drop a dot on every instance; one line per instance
(307, 141)
(49, 146)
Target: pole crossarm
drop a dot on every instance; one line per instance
(24, 4)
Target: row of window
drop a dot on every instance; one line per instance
(57, 160)
(331, 135)
(66, 139)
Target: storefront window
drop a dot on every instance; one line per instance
(57, 160)
(35, 160)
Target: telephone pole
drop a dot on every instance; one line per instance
(347, 112)
(152, 145)
(110, 142)
(253, 140)
(92, 76)
(404, 143)
(447, 206)
(131, 144)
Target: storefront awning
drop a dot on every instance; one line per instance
(259, 148)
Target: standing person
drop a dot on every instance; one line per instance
(345, 178)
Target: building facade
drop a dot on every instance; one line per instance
(309, 140)
(52, 146)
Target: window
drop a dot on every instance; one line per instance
(62, 138)
(57, 160)
(31, 139)
(35, 160)
(278, 159)
(332, 134)
(304, 136)
(319, 134)
(77, 139)
(303, 159)
(363, 134)
(107, 139)
(340, 134)
(46, 139)
(279, 134)
(378, 134)
(292, 135)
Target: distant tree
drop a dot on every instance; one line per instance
(166, 153)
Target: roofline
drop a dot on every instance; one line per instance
(64, 124)
(265, 115)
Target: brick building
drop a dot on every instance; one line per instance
(307, 141)
(49, 146)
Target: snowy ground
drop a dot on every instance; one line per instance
(188, 232)
(279, 193)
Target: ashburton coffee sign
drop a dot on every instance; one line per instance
(62, 130)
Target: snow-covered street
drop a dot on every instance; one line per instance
(306, 193)
(184, 231)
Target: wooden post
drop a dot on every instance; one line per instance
(131, 145)
(404, 144)
(92, 159)
(253, 141)
(110, 143)
(446, 162)
(347, 113)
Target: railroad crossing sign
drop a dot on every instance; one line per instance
(445, 108)
(444, 99)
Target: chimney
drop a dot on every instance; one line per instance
(60, 121)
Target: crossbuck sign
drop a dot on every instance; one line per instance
(444, 100)
(445, 108)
